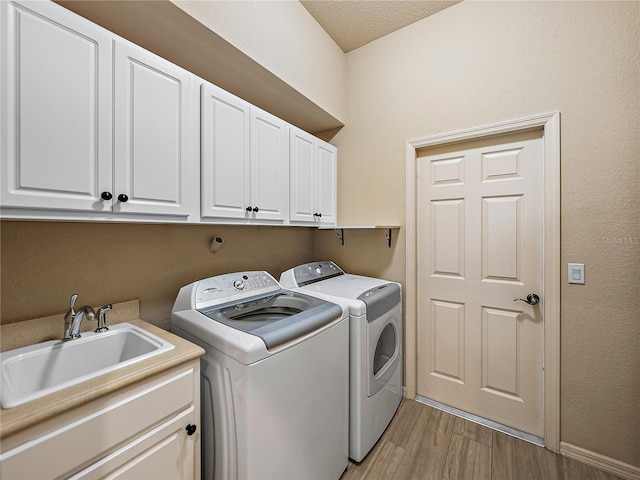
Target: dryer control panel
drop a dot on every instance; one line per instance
(313, 272)
(233, 286)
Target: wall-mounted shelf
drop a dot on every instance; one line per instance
(339, 229)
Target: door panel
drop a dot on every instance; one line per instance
(480, 247)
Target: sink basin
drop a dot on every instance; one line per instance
(37, 370)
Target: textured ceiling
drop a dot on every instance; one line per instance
(354, 23)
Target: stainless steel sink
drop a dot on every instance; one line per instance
(37, 370)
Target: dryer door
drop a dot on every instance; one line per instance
(384, 334)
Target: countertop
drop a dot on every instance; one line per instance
(13, 420)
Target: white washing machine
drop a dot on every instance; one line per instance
(274, 378)
(375, 309)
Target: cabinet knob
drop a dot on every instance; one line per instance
(249, 209)
(317, 215)
(191, 429)
(106, 196)
(123, 198)
(256, 209)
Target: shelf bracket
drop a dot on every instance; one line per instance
(387, 234)
(340, 235)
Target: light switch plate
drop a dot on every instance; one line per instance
(576, 273)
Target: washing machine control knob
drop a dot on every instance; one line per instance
(239, 284)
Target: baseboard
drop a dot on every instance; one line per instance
(602, 462)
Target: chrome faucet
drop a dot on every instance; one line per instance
(102, 318)
(73, 319)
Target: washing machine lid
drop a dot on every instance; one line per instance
(277, 317)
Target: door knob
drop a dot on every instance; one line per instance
(123, 198)
(532, 299)
(106, 196)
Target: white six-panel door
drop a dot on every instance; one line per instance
(479, 230)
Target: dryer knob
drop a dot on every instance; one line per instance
(239, 284)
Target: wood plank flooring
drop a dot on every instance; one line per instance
(424, 443)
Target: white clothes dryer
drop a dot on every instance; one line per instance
(274, 378)
(375, 345)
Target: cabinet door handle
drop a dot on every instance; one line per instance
(256, 209)
(106, 196)
(191, 429)
(319, 215)
(249, 209)
(123, 198)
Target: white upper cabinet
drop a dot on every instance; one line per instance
(225, 153)
(156, 168)
(269, 167)
(313, 179)
(56, 108)
(93, 127)
(93, 123)
(245, 159)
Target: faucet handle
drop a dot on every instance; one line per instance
(102, 318)
(74, 297)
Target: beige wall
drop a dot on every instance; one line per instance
(43, 263)
(482, 62)
(280, 35)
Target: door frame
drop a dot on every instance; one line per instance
(549, 123)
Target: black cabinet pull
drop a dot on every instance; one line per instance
(123, 198)
(249, 209)
(106, 196)
(191, 429)
(256, 209)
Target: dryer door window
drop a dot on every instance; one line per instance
(384, 359)
(385, 348)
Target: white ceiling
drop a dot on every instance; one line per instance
(354, 23)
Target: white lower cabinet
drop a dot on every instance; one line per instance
(150, 430)
(245, 159)
(313, 164)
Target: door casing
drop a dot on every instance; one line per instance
(550, 125)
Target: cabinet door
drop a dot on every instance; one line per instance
(269, 166)
(326, 183)
(56, 136)
(156, 162)
(225, 154)
(302, 177)
(166, 452)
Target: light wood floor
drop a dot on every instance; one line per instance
(424, 443)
